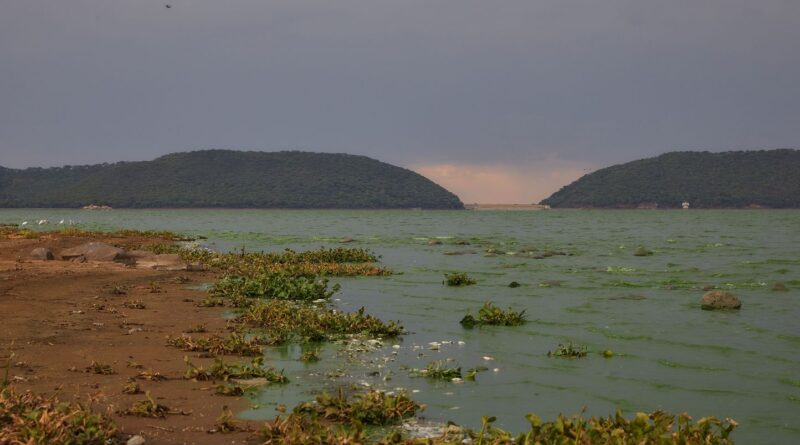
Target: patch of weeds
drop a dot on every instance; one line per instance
(238, 290)
(438, 370)
(119, 289)
(154, 288)
(225, 422)
(132, 387)
(642, 251)
(225, 371)
(297, 429)
(100, 368)
(458, 279)
(30, 419)
(196, 329)
(368, 408)
(234, 343)
(310, 356)
(147, 408)
(134, 304)
(569, 350)
(491, 315)
(211, 302)
(286, 320)
(229, 390)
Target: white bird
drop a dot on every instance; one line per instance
(61, 222)
(24, 223)
(43, 221)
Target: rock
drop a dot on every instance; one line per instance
(41, 253)
(95, 251)
(166, 261)
(719, 300)
(135, 440)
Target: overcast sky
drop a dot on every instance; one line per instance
(501, 101)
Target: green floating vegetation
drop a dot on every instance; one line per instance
(492, 315)
(26, 418)
(310, 356)
(226, 371)
(367, 408)
(337, 420)
(237, 290)
(458, 279)
(569, 350)
(283, 321)
(234, 343)
(438, 370)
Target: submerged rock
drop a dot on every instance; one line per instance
(94, 251)
(41, 253)
(719, 300)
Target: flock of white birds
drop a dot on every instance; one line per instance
(42, 222)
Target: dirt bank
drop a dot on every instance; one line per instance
(58, 317)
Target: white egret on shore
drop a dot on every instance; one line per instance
(24, 223)
(61, 222)
(43, 221)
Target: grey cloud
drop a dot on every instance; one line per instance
(406, 82)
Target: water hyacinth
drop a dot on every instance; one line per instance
(491, 315)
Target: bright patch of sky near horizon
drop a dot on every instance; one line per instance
(476, 95)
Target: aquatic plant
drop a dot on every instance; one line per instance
(514, 284)
(26, 418)
(491, 315)
(147, 408)
(298, 429)
(229, 390)
(310, 356)
(226, 371)
(369, 408)
(237, 290)
(569, 350)
(226, 423)
(211, 302)
(642, 251)
(132, 387)
(458, 279)
(283, 321)
(234, 343)
(438, 370)
(151, 375)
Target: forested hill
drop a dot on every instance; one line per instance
(736, 179)
(224, 178)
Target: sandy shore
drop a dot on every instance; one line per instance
(58, 317)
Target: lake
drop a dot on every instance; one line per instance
(668, 354)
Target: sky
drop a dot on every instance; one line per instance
(500, 101)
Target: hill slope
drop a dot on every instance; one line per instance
(224, 178)
(706, 180)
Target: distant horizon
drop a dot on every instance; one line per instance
(472, 184)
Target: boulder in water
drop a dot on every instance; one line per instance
(718, 299)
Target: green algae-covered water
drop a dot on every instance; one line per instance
(668, 354)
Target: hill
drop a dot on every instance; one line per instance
(735, 179)
(225, 178)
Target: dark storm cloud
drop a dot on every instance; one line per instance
(410, 82)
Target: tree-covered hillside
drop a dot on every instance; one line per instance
(224, 178)
(736, 179)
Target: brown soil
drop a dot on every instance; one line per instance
(58, 317)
